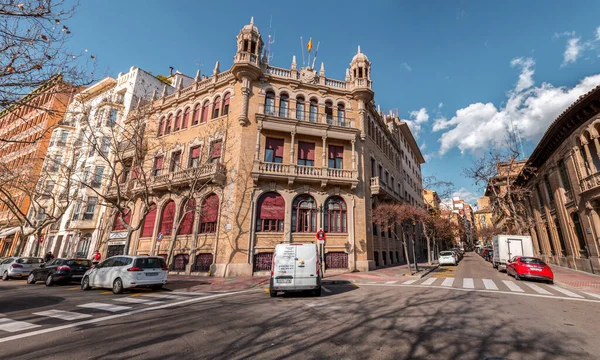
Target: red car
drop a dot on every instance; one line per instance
(525, 267)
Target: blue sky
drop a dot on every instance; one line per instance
(460, 71)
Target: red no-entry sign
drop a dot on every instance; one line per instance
(320, 235)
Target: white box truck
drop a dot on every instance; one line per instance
(296, 267)
(507, 246)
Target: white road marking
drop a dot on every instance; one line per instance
(408, 282)
(429, 281)
(592, 294)
(489, 284)
(14, 325)
(326, 289)
(566, 292)
(512, 286)
(193, 293)
(468, 283)
(104, 307)
(165, 296)
(137, 300)
(117, 316)
(538, 289)
(489, 291)
(391, 282)
(63, 315)
(448, 282)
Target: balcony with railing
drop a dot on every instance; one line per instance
(335, 122)
(379, 187)
(293, 172)
(590, 182)
(85, 220)
(214, 172)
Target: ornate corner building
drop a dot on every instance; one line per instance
(274, 155)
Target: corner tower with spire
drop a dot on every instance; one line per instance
(358, 78)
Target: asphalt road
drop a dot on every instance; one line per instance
(377, 321)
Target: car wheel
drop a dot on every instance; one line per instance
(5, 276)
(117, 287)
(156, 287)
(31, 279)
(317, 292)
(49, 281)
(517, 277)
(272, 293)
(85, 284)
(551, 282)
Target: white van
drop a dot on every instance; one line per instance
(295, 267)
(508, 246)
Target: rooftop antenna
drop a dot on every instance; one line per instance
(199, 65)
(270, 41)
(517, 139)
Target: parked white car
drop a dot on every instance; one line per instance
(126, 272)
(18, 267)
(447, 258)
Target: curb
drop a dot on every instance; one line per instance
(420, 276)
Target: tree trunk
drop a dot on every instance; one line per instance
(404, 244)
(428, 239)
(127, 242)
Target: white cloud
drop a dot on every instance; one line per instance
(406, 66)
(562, 34)
(530, 109)
(598, 33)
(573, 51)
(416, 119)
(526, 76)
(423, 146)
(463, 194)
(440, 105)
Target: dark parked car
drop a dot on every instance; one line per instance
(60, 271)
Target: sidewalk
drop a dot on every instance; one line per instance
(190, 283)
(576, 279)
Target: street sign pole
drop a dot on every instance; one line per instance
(321, 236)
(158, 240)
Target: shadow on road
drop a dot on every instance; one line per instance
(11, 304)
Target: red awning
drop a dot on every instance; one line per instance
(272, 206)
(306, 151)
(210, 209)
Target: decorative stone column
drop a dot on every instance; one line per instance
(590, 160)
(324, 151)
(361, 116)
(257, 148)
(246, 91)
(353, 142)
(292, 147)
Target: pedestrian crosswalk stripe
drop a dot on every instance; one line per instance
(512, 286)
(489, 284)
(134, 300)
(538, 289)
(14, 325)
(428, 281)
(104, 307)
(408, 282)
(63, 315)
(468, 283)
(165, 296)
(592, 294)
(391, 282)
(448, 282)
(566, 292)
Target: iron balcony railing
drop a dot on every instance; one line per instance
(307, 114)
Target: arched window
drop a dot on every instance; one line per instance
(188, 211)
(300, 108)
(341, 115)
(283, 105)
(329, 111)
(203, 262)
(209, 213)
(216, 107)
(161, 126)
(271, 212)
(168, 125)
(226, 103)
(186, 118)
(196, 114)
(335, 219)
(117, 224)
(148, 227)
(270, 103)
(314, 108)
(180, 261)
(177, 121)
(205, 108)
(167, 218)
(304, 214)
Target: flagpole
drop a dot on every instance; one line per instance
(302, 47)
(316, 53)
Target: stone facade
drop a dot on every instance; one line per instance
(565, 201)
(271, 155)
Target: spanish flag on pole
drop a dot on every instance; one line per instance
(309, 45)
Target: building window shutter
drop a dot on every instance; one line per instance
(148, 229)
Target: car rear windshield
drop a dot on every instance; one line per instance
(30, 260)
(151, 263)
(79, 263)
(446, 253)
(530, 260)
